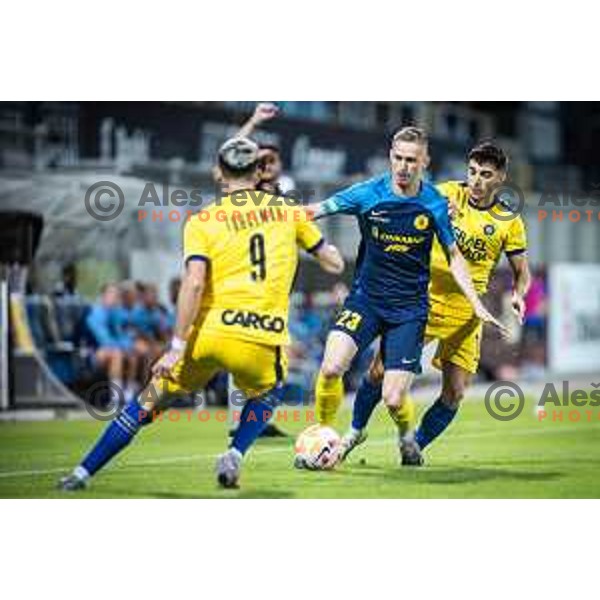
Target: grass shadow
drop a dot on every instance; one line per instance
(454, 475)
(240, 494)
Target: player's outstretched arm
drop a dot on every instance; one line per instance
(521, 282)
(265, 111)
(318, 210)
(330, 259)
(348, 201)
(188, 304)
(460, 272)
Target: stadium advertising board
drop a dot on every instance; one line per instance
(574, 334)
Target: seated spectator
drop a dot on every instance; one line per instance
(68, 304)
(114, 347)
(67, 286)
(148, 317)
(150, 325)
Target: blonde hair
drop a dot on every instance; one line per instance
(411, 134)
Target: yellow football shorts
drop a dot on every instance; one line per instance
(459, 337)
(256, 368)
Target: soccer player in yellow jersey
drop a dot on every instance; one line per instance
(240, 258)
(485, 228)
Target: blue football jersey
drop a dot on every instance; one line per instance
(392, 267)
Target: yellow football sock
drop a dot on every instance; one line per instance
(404, 416)
(329, 393)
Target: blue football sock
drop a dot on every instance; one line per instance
(255, 417)
(116, 436)
(435, 420)
(367, 398)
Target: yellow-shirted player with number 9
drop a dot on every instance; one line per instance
(240, 257)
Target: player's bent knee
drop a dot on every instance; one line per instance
(393, 397)
(394, 394)
(453, 393)
(453, 396)
(331, 369)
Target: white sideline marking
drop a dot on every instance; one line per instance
(191, 457)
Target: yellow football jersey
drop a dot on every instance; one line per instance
(250, 241)
(482, 235)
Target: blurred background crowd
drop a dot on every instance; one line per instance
(99, 299)
(119, 334)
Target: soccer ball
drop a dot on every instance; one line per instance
(317, 448)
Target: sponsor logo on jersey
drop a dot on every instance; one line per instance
(395, 242)
(252, 320)
(401, 238)
(396, 248)
(421, 222)
(472, 247)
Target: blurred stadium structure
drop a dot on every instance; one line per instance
(51, 153)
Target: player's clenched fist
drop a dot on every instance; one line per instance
(518, 305)
(264, 112)
(164, 365)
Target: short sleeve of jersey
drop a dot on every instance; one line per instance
(453, 191)
(446, 189)
(443, 228)
(348, 201)
(308, 235)
(516, 239)
(195, 241)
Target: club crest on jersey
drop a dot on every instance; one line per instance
(489, 229)
(421, 222)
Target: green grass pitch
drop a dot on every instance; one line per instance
(477, 458)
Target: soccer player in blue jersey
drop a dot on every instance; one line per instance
(486, 228)
(399, 214)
